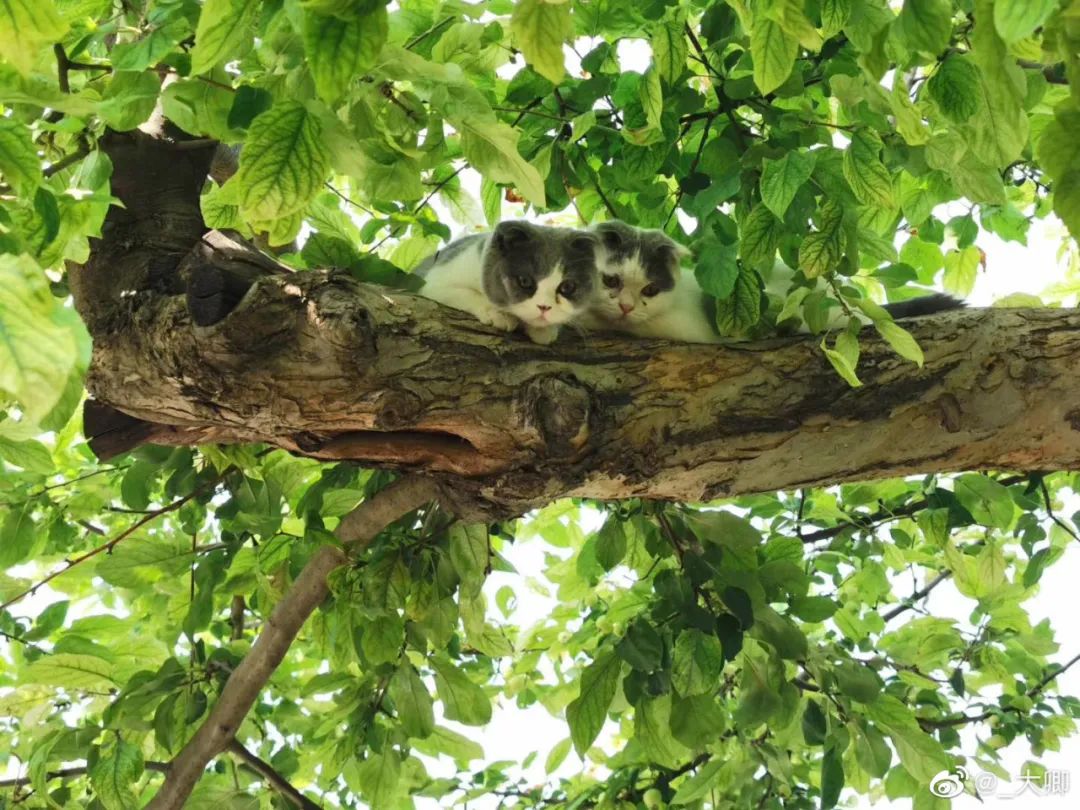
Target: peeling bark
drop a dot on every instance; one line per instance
(219, 343)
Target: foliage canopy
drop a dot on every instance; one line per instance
(757, 653)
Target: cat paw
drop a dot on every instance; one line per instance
(500, 320)
(544, 335)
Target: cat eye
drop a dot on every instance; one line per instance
(566, 289)
(525, 283)
(610, 281)
(650, 290)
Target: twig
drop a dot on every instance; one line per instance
(872, 521)
(412, 43)
(964, 719)
(81, 770)
(693, 167)
(111, 544)
(1050, 511)
(236, 617)
(273, 778)
(68, 160)
(721, 99)
(922, 593)
(356, 530)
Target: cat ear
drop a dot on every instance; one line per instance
(611, 234)
(681, 251)
(512, 234)
(584, 242)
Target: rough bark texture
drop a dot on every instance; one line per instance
(218, 343)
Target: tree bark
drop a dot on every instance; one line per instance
(219, 343)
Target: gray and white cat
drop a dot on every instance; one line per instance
(519, 274)
(644, 291)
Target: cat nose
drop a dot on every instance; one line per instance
(543, 307)
(626, 308)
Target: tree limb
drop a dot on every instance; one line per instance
(217, 731)
(265, 770)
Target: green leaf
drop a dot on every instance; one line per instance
(999, 131)
(834, 16)
(462, 699)
(774, 51)
(223, 32)
(129, 100)
(491, 147)
(814, 725)
(759, 238)
(284, 162)
(988, 501)
(872, 752)
(469, 554)
(843, 359)
(412, 701)
(557, 755)
(742, 309)
(540, 28)
(113, 777)
(814, 608)
(651, 97)
(610, 544)
(866, 174)
(340, 51)
(1067, 201)
(925, 26)
(961, 267)
(31, 455)
(146, 51)
(901, 341)
(759, 698)
(696, 663)
(717, 270)
(641, 647)
(832, 778)
(955, 88)
(858, 681)
(38, 349)
(921, 755)
(1018, 19)
(19, 164)
(1058, 148)
(780, 632)
(71, 671)
(652, 728)
(18, 535)
(821, 251)
(701, 783)
(379, 779)
(25, 27)
(588, 711)
(781, 179)
(670, 48)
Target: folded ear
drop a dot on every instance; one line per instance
(511, 234)
(612, 234)
(584, 242)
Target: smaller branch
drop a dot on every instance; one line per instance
(920, 594)
(236, 618)
(68, 160)
(67, 773)
(412, 43)
(62, 66)
(272, 777)
(721, 99)
(1034, 691)
(1050, 512)
(111, 544)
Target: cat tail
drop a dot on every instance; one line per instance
(924, 305)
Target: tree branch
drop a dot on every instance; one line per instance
(126, 533)
(79, 770)
(356, 531)
(922, 593)
(271, 776)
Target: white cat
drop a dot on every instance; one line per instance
(644, 291)
(519, 274)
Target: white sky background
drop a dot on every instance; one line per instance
(514, 733)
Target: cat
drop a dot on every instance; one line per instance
(520, 274)
(644, 291)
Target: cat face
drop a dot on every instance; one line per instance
(637, 272)
(542, 276)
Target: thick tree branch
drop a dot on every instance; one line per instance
(217, 731)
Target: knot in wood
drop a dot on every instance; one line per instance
(557, 409)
